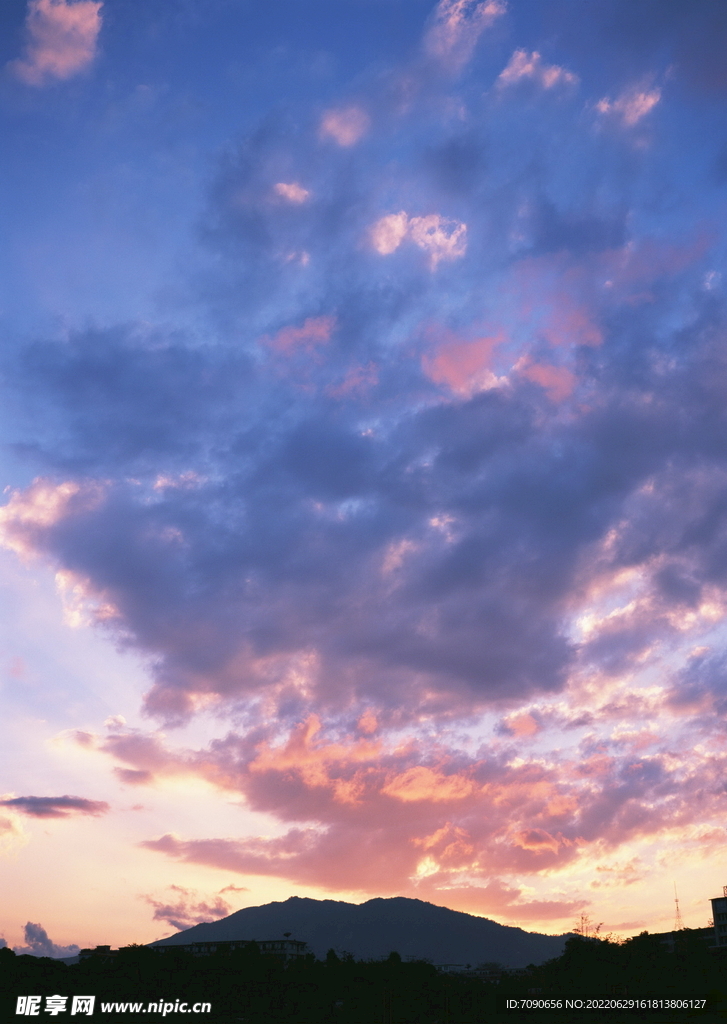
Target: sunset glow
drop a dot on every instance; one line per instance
(364, 525)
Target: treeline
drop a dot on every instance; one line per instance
(245, 986)
(642, 967)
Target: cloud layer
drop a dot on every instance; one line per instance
(430, 515)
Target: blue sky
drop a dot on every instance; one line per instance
(363, 454)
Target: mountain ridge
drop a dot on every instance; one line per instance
(370, 930)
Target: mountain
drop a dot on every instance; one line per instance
(373, 929)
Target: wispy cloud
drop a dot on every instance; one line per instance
(631, 105)
(456, 26)
(184, 908)
(345, 125)
(292, 191)
(524, 66)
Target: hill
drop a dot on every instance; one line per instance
(373, 929)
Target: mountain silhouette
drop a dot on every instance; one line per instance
(373, 929)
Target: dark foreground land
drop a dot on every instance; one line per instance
(244, 986)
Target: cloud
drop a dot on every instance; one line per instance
(441, 237)
(346, 125)
(39, 944)
(12, 834)
(455, 27)
(292, 191)
(631, 106)
(459, 818)
(62, 38)
(40, 507)
(524, 66)
(183, 908)
(314, 332)
(463, 366)
(389, 232)
(435, 546)
(55, 806)
(558, 381)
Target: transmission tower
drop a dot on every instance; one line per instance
(678, 923)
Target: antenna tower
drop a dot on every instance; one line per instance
(678, 923)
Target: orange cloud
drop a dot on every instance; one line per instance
(317, 764)
(422, 783)
(62, 38)
(537, 840)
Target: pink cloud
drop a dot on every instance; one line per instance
(556, 301)
(456, 26)
(314, 332)
(524, 66)
(358, 381)
(62, 39)
(631, 106)
(183, 908)
(449, 816)
(441, 237)
(463, 824)
(561, 301)
(500, 899)
(558, 381)
(648, 261)
(571, 323)
(292, 191)
(463, 366)
(32, 512)
(522, 724)
(345, 125)
(389, 232)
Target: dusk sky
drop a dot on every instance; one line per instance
(364, 455)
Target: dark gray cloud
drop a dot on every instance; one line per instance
(38, 943)
(55, 806)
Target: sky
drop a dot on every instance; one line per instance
(363, 461)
